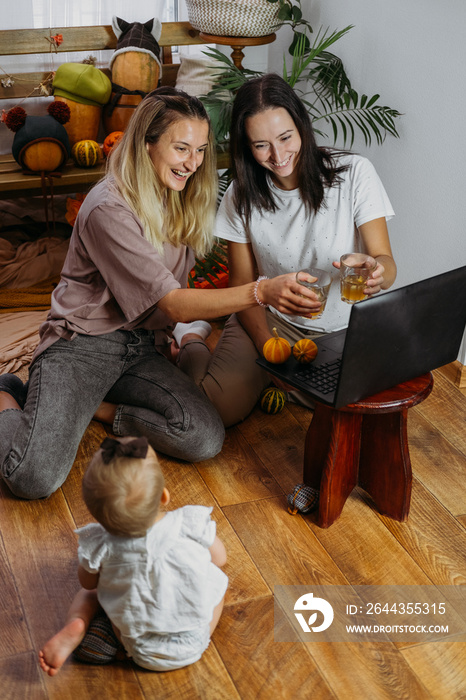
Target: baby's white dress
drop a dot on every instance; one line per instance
(159, 590)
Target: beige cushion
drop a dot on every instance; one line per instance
(196, 75)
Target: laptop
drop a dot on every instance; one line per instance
(391, 338)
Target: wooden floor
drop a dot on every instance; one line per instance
(247, 484)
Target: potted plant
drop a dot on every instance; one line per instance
(320, 78)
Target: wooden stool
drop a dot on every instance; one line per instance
(365, 444)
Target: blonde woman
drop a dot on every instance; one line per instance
(103, 347)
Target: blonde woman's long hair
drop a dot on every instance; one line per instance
(185, 217)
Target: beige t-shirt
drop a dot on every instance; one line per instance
(112, 278)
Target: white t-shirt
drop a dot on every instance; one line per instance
(164, 582)
(289, 240)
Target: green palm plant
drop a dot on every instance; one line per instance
(319, 77)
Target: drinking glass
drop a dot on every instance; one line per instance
(320, 287)
(355, 270)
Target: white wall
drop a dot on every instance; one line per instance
(413, 53)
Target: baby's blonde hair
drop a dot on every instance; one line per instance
(124, 494)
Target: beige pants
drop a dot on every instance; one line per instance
(230, 376)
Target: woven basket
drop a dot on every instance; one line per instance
(246, 18)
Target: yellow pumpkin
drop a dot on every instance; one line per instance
(305, 350)
(86, 153)
(272, 400)
(276, 349)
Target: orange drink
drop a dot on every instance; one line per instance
(320, 286)
(355, 270)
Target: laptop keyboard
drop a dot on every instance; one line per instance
(323, 378)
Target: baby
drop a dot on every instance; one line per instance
(155, 574)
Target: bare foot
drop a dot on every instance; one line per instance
(56, 650)
(7, 401)
(106, 413)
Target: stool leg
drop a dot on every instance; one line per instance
(384, 466)
(331, 459)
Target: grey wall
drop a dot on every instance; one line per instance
(412, 53)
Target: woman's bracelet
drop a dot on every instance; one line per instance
(256, 287)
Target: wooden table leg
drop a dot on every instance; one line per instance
(331, 458)
(384, 465)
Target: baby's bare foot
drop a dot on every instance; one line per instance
(58, 648)
(7, 401)
(106, 412)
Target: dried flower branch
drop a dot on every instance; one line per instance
(55, 41)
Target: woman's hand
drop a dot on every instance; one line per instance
(286, 295)
(374, 282)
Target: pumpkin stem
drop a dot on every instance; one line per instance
(275, 332)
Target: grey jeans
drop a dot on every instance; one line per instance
(68, 382)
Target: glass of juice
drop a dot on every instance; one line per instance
(320, 286)
(355, 270)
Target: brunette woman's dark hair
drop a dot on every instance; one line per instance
(316, 167)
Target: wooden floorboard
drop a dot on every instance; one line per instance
(437, 462)
(442, 667)
(247, 485)
(260, 667)
(432, 538)
(21, 677)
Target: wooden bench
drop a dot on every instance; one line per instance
(86, 40)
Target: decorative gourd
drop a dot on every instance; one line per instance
(86, 153)
(276, 349)
(110, 141)
(272, 400)
(305, 350)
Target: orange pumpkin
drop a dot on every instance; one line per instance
(120, 117)
(305, 350)
(110, 141)
(276, 349)
(135, 70)
(84, 120)
(43, 155)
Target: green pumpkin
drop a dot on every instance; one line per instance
(86, 153)
(272, 400)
